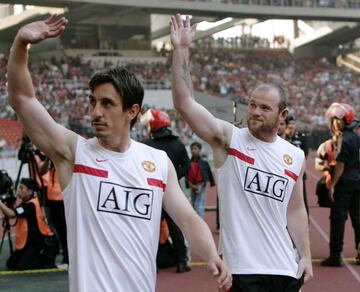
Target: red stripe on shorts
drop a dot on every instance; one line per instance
(156, 183)
(79, 168)
(291, 174)
(240, 155)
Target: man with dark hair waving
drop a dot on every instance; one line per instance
(264, 234)
(113, 186)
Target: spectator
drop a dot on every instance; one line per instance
(198, 176)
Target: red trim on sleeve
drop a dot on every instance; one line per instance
(156, 183)
(291, 174)
(79, 168)
(240, 155)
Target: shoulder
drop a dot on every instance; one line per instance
(290, 147)
(147, 148)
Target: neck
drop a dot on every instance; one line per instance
(266, 137)
(117, 144)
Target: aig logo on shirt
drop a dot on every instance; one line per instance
(265, 184)
(128, 201)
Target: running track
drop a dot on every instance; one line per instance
(345, 279)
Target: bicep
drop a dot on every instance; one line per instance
(214, 131)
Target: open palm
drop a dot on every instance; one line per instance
(37, 31)
(182, 32)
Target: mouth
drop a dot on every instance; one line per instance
(97, 124)
(255, 120)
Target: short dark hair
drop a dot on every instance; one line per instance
(196, 144)
(283, 102)
(127, 85)
(29, 183)
(289, 119)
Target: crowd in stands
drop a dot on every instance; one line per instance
(312, 85)
(228, 72)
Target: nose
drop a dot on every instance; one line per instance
(255, 111)
(97, 110)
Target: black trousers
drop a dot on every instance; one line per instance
(265, 283)
(346, 200)
(177, 239)
(57, 218)
(27, 258)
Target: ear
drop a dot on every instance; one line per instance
(283, 115)
(133, 111)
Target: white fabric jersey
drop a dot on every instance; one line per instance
(113, 208)
(255, 186)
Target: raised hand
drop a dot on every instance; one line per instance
(35, 32)
(182, 32)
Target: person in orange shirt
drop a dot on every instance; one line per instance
(34, 244)
(55, 205)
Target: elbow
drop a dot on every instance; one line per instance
(13, 101)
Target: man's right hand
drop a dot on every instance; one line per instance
(35, 32)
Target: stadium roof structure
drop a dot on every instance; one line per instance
(218, 8)
(131, 13)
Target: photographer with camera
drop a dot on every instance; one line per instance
(34, 239)
(54, 203)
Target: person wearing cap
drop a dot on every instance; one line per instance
(31, 231)
(298, 139)
(345, 183)
(163, 138)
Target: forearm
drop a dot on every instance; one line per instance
(19, 79)
(299, 231)
(182, 87)
(338, 171)
(200, 239)
(7, 211)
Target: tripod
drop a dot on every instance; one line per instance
(6, 225)
(27, 156)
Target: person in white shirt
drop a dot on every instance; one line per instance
(113, 187)
(264, 234)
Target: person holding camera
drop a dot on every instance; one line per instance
(33, 235)
(55, 204)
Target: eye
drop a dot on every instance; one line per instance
(92, 101)
(107, 103)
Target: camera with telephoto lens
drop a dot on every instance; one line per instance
(7, 195)
(27, 152)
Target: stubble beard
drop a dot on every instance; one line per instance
(264, 129)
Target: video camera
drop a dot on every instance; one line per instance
(7, 195)
(27, 152)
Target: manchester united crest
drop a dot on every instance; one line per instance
(148, 166)
(288, 159)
